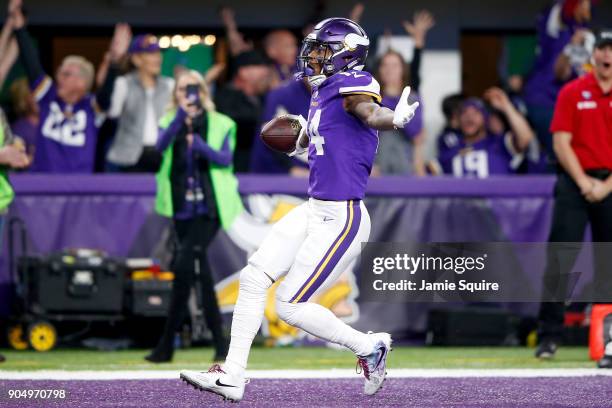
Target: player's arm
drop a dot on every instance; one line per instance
(372, 114)
(378, 117)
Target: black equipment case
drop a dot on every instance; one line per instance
(150, 297)
(72, 283)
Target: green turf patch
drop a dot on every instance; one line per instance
(298, 358)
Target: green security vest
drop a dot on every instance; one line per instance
(224, 183)
(6, 192)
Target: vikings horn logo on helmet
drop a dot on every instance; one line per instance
(346, 42)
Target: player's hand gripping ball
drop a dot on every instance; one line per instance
(282, 133)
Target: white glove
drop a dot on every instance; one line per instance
(303, 125)
(404, 112)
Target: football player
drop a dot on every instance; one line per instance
(315, 242)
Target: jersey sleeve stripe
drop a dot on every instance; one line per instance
(372, 89)
(377, 97)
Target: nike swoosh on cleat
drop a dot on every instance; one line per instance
(383, 351)
(220, 384)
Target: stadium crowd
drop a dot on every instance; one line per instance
(81, 121)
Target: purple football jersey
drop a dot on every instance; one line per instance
(492, 155)
(67, 134)
(541, 86)
(342, 147)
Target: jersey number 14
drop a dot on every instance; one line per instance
(313, 132)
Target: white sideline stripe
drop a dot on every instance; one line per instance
(305, 374)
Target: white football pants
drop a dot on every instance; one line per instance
(311, 246)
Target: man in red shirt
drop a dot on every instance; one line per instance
(582, 140)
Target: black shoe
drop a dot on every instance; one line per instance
(158, 358)
(605, 362)
(546, 350)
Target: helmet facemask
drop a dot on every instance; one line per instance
(336, 45)
(315, 53)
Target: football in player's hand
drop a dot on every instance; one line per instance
(281, 133)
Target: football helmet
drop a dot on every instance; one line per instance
(342, 45)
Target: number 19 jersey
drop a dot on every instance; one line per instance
(342, 147)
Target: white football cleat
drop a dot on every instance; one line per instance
(374, 365)
(216, 381)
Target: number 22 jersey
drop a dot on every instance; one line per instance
(67, 136)
(342, 147)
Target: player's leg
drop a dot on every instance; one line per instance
(328, 250)
(270, 262)
(335, 233)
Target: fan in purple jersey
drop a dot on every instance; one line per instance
(70, 115)
(532, 160)
(480, 152)
(316, 241)
(561, 38)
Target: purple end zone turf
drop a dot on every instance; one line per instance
(339, 393)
